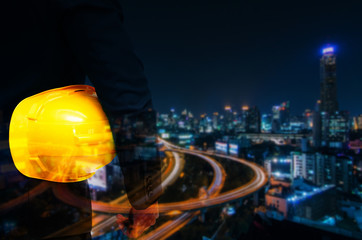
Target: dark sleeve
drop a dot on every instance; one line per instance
(95, 33)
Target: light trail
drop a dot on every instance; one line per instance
(171, 227)
(174, 165)
(40, 188)
(113, 207)
(193, 204)
(175, 171)
(108, 221)
(167, 229)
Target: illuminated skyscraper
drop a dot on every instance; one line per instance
(266, 123)
(281, 117)
(250, 119)
(308, 118)
(228, 118)
(329, 101)
(172, 118)
(215, 118)
(357, 123)
(338, 129)
(244, 118)
(334, 126)
(253, 121)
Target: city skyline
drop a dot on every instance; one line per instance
(253, 130)
(207, 55)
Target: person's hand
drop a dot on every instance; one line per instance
(138, 221)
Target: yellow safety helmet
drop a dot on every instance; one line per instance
(61, 135)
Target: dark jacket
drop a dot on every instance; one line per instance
(54, 43)
(47, 44)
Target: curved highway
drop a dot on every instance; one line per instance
(102, 222)
(167, 229)
(213, 190)
(258, 181)
(255, 184)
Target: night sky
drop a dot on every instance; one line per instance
(203, 54)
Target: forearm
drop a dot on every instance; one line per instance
(135, 138)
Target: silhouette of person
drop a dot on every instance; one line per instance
(47, 44)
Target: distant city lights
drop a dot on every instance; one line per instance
(185, 136)
(233, 149)
(165, 135)
(220, 146)
(328, 50)
(303, 194)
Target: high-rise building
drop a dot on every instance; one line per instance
(338, 129)
(172, 118)
(321, 169)
(308, 119)
(266, 123)
(250, 120)
(186, 120)
(228, 118)
(253, 120)
(183, 115)
(329, 101)
(215, 118)
(334, 124)
(281, 117)
(203, 123)
(317, 125)
(299, 164)
(243, 118)
(335, 129)
(357, 123)
(285, 113)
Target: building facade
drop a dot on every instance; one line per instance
(328, 65)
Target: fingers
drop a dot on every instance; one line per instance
(138, 221)
(122, 223)
(120, 217)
